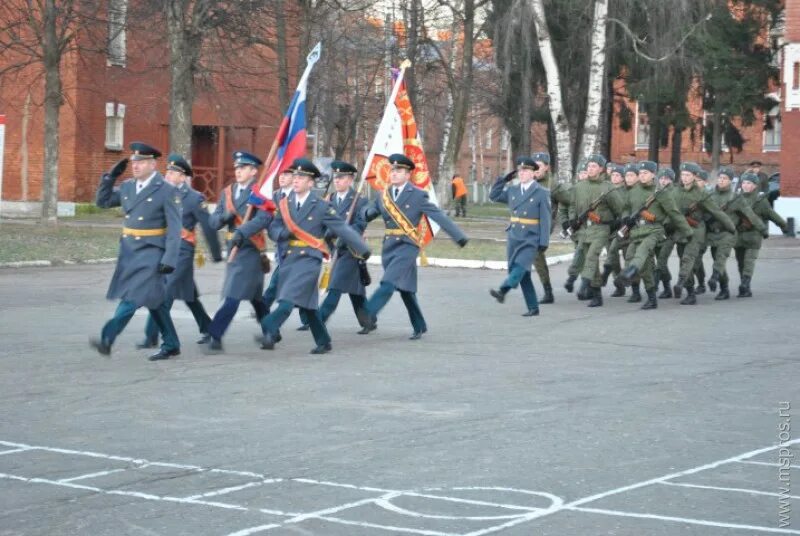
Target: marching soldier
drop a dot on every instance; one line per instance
(558, 193)
(284, 190)
(302, 219)
(349, 273)
(244, 276)
(148, 248)
(645, 222)
(748, 241)
(665, 245)
(619, 245)
(402, 206)
(595, 207)
(720, 240)
(528, 232)
(564, 219)
(180, 283)
(695, 203)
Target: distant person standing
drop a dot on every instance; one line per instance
(460, 194)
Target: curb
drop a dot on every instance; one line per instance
(432, 261)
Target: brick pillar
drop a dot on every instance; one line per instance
(788, 205)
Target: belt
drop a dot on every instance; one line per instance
(144, 232)
(298, 244)
(525, 221)
(395, 232)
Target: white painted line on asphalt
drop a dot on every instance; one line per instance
(12, 451)
(472, 501)
(348, 486)
(91, 475)
(739, 490)
(687, 520)
(364, 524)
(336, 509)
(386, 504)
(231, 489)
(771, 464)
(254, 530)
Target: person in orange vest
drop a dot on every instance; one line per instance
(459, 195)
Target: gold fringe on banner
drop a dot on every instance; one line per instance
(326, 276)
(199, 258)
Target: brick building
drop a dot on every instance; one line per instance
(121, 94)
(788, 205)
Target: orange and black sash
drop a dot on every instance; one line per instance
(258, 239)
(301, 234)
(400, 219)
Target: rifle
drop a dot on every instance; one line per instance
(580, 220)
(691, 208)
(626, 229)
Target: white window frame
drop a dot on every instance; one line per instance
(643, 142)
(487, 143)
(504, 138)
(776, 132)
(116, 52)
(115, 125)
(723, 146)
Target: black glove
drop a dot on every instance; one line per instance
(565, 226)
(462, 242)
(228, 217)
(238, 239)
(615, 225)
(765, 234)
(542, 249)
(367, 254)
(118, 169)
(510, 176)
(630, 221)
(165, 269)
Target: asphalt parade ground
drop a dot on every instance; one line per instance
(609, 421)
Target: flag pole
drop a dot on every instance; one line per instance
(311, 59)
(405, 64)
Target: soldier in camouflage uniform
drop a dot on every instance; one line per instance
(617, 245)
(748, 242)
(699, 268)
(720, 240)
(666, 180)
(694, 203)
(650, 210)
(543, 176)
(563, 217)
(595, 206)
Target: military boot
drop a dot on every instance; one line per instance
(701, 286)
(691, 298)
(570, 283)
(597, 297)
(607, 269)
(677, 290)
(636, 295)
(744, 288)
(499, 295)
(651, 302)
(548, 294)
(713, 280)
(584, 293)
(628, 274)
(667, 292)
(724, 294)
(619, 290)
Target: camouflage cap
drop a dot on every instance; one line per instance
(691, 167)
(666, 173)
(727, 171)
(749, 176)
(648, 165)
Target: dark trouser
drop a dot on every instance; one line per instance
(518, 275)
(540, 264)
(271, 324)
(381, 297)
(272, 290)
(224, 316)
(746, 260)
(461, 206)
(160, 316)
(197, 309)
(331, 302)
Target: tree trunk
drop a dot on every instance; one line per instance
(654, 141)
(446, 161)
(23, 150)
(716, 141)
(283, 59)
(183, 52)
(677, 141)
(52, 104)
(597, 74)
(559, 118)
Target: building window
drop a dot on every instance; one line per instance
(772, 130)
(488, 142)
(117, 14)
(504, 140)
(642, 128)
(115, 116)
(708, 133)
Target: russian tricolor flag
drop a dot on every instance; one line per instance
(291, 139)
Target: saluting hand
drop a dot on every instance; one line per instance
(510, 176)
(118, 169)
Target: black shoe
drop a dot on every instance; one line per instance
(651, 302)
(619, 290)
(265, 341)
(585, 292)
(205, 338)
(690, 298)
(724, 293)
(368, 322)
(304, 327)
(322, 349)
(498, 295)
(569, 284)
(713, 280)
(596, 296)
(366, 331)
(744, 288)
(147, 344)
(213, 347)
(548, 294)
(667, 292)
(627, 275)
(700, 289)
(531, 312)
(164, 354)
(636, 295)
(102, 346)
